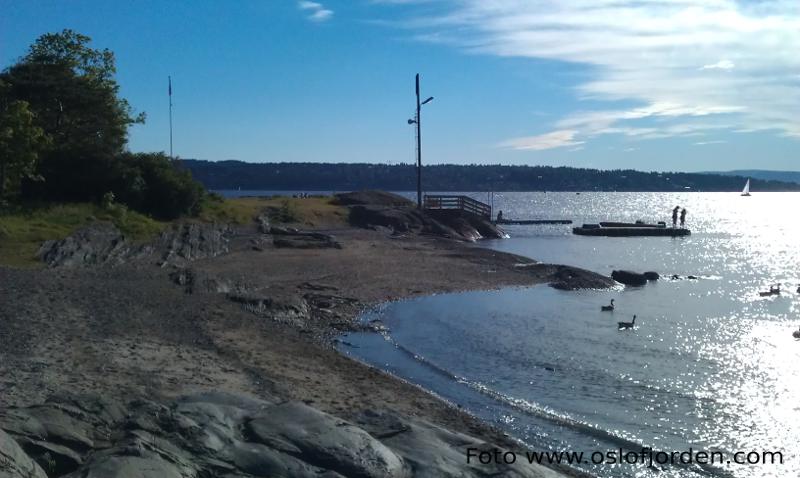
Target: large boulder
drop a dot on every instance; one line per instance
(325, 441)
(629, 278)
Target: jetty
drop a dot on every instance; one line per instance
(457, 202)
(630, 230)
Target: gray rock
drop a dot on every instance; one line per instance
(15, 463)
(115, 466)
(290, 310)
(573, 278)
(651, 275)
(219, 434)
(191, 241)
(629, 278)
(431, 451)
(263, 224)
(306, 240)
(326, 441)
(99, 243)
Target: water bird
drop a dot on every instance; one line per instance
(626, 325)
(796, 334)
(608, 308)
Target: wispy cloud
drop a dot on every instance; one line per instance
(315, 10)
(703, 143)
(555, 139)
(664, 55)
(720, 65)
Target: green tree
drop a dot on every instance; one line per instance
(72, 91)
(21, 141)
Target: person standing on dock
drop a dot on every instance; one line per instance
(683, 217)
(500, 216)
(675, 216)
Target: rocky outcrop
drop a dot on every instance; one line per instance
(567, 277)
(99, 243)
(629, 278)
(285, 237)
(217, 434)
(102, 243)
(191, 241)
(466, 223)
(291, 310)
(401, 216)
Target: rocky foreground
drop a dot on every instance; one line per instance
(217, 434)
(207, 352)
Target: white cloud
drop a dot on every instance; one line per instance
(659, 54)
(305, 5)
(703, 143)
(552, 140)
(316, 11)
(720, 65)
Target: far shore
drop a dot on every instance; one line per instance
(257, 320)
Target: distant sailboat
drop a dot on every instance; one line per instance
(746, 190)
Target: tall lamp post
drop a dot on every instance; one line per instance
(417, 121)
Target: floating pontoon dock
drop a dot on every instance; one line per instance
(626, 231)
(524, 222)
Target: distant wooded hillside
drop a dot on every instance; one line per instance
(402, 177)
(786, 176)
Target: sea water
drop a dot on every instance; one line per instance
(710, 366)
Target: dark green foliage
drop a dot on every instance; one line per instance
(21, 141)
(449, 177)
(154, 184)
(74, 98)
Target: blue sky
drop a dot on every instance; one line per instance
(644, 84)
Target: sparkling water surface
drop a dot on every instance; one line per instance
(711, 365)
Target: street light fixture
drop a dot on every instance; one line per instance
(417, 121)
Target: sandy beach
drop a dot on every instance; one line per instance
(258, 320)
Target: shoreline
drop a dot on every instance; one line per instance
(258, 320)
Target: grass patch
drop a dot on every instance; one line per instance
(215, 208)
(307, 212)
(23, 229)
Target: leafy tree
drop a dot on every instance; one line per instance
(21, 141)
(71, 89)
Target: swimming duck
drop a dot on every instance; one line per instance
(626, 325)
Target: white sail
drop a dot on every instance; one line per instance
(746, 190)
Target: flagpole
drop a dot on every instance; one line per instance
(170, 116)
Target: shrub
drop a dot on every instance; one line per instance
(153, 184)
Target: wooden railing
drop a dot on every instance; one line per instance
(464, 203)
